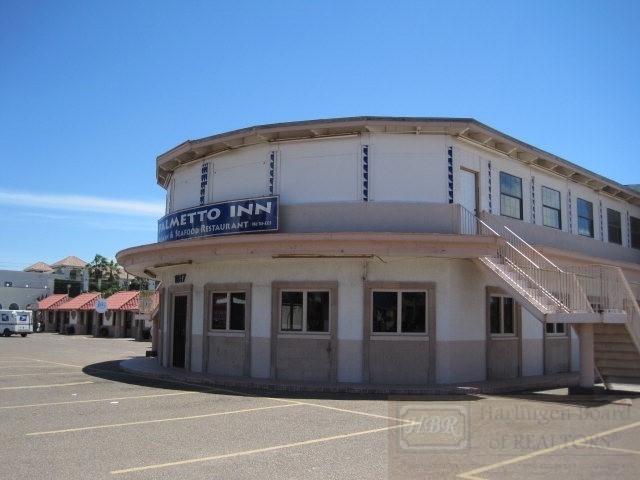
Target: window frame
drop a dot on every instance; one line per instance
(429, 288)
(634, 232)
(279, 286)
(508, 195)
(614, 229)
(228, 289)
(555, 330)
(502, 333)
(546, 207)
(590, 225)
(305, 310)
(400, 312)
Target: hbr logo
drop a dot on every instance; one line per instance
(432, 427)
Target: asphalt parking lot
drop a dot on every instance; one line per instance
(69, 412)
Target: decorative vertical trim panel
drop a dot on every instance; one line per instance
(628, 230)
(601, 222)
(489, 189)
(365, 172)
(273, 158)
(569, 211)
(450, 172)
(204, 180)
(533, 200)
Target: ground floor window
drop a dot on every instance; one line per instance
(228, 310)
(399, 311)
(555, 329)
(399, 308)
(305, 310)
(227, 307)
(502, 315)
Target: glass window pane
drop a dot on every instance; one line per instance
(414, 312)
(551, 218)
(236, 320)
(510, 185)
(219, 311)
(559, 327)
(291, 311)
(318, 311)
(494, 315)
(634, 224)
(614, 226)
(585, 209)
(510, 206)
(385, 312)
(551, 198)
(509, 326)
(549, 327)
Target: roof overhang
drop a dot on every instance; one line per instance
(151, 260)
(466, 129)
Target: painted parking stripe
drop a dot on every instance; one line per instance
(257, 450)
(99, 400)
(26, 387)
(472, 474)
(159, 420)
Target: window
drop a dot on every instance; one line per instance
(614, 226)
(634, 224)
(228, 310)
(510, 196)
(399, 312)
(585, 218)
(551, 214)
(304, 311)
(555, 328)
(502, 315)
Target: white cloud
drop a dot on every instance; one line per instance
(82, 203)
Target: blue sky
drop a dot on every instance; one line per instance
(92, 91)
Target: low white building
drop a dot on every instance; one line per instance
(391, 251)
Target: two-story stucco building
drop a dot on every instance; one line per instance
(397, 251)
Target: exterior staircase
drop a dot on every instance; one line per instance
(592, 294)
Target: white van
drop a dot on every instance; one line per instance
(16, 321)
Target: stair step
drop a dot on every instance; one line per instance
(615, 355)
(616, 348)
(623, 379)
(612, 338)
(618, 363)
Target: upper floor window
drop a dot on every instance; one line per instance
(510, 196)
(585, 218)
(304, 311)
(614, 226)
(399, 311)
(228, 310)
(634, 231)
(551, 213)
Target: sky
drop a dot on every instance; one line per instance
(92, 91)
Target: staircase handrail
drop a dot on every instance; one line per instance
(536, 253)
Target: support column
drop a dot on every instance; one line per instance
(587, 363)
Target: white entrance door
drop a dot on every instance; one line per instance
(469, 199)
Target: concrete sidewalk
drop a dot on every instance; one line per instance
(149, 367)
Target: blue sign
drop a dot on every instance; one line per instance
(223, 218)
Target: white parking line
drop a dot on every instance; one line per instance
(256, 451)
(472, 474)
(27, 387)
(159, 420)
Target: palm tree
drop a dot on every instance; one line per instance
(102, 268)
